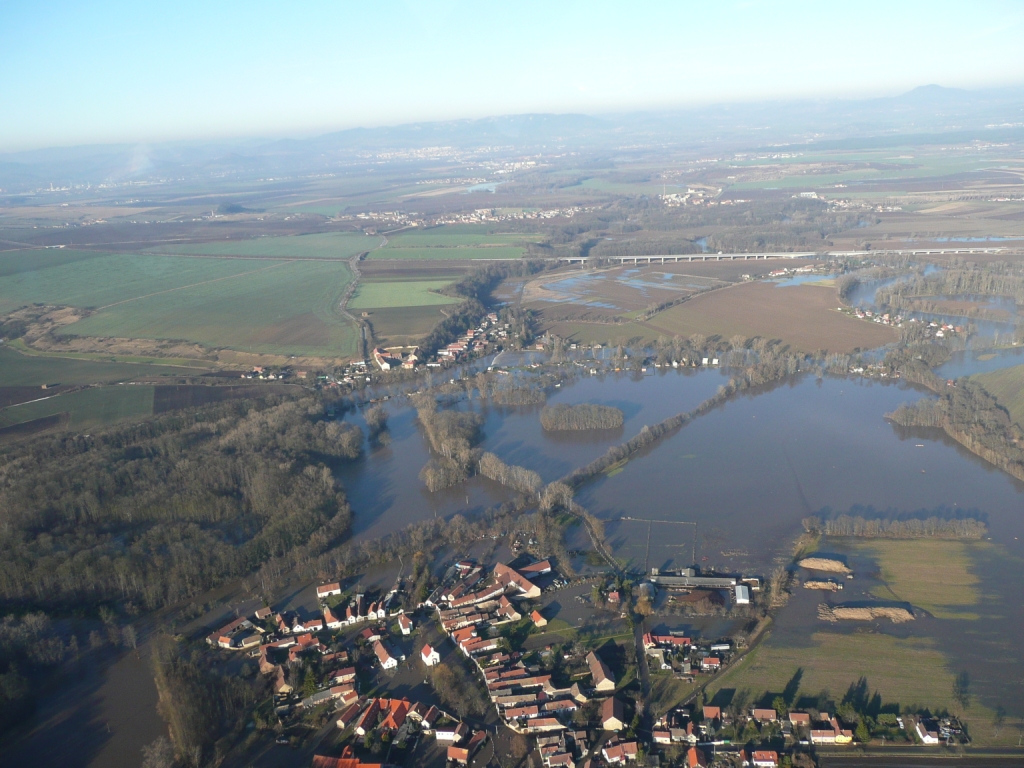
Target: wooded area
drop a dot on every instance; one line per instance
(582, 416)
(153, 512)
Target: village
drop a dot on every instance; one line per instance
(473, 342)
(471, 670)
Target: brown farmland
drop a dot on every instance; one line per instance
(803, 317)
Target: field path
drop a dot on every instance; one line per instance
(353, 265)
(193, 285)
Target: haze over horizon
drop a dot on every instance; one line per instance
(119, 73)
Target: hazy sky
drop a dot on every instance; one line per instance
(85, 72)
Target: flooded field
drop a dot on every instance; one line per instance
(729, 491)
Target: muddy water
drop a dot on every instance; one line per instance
(747, 473)
(100, 716)
(733, 486)
(385, 490)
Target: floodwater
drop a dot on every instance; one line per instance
(731, 488)
(971, 362)
(100, 715)
(385, 490)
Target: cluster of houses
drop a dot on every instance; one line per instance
(474, 341)
(931, 328)
(938, 330)
(470, 604)
(283, 639)
(681, 655)
(262, 372)
(387, 360)
(486, 215)
(396, 720)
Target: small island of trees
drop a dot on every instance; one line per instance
(582, 416)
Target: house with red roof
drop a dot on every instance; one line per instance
(429, 655)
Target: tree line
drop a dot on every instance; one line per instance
(515, 477)
(912, 528)
(769, 368)
(199, 701)
(972, 417)
(452, 435)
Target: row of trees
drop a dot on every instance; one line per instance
(515, 477)
(452, 435)
(912, 528)
(771, 367)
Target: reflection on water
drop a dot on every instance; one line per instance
(969, 363)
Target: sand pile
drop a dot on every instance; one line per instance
(840, 613)
(832, 586)
(824, 564)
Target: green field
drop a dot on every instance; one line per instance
(442, 237)
(102, 279)
(328, 245)
(18, 370)
(89, 408)
(908, 671)
(403, 325)
(443, 252)
(1007, 386)
(16, 262)
(908, 569)
(280, 308)
(400, 293)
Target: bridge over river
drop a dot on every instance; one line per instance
(659, 259)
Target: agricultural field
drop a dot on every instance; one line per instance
(651, 545)
(324, 245)
(400, 293)
(20, 370)
(905, 670)
(1007, 386)
(908, 568)
(402, 326)
(286, 308)
(502, 252)
(277, 307)
(89, 408)
(444, 237)
(88, 282)
(803, 317)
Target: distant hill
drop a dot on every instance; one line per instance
(929, 110)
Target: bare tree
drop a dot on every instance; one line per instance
(159, 754)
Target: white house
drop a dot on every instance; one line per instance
(430, 656)
(926, 736)
(405, 624)
(387, 661)
(326, 590)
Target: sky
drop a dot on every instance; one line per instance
(110, 72)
